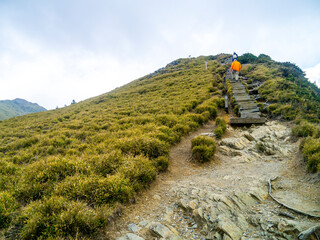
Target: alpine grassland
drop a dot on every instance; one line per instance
(65, 172)
(286, 94)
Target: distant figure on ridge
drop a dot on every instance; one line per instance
(234, 56)
(235, 69)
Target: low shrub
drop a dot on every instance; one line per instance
(56, 217)
(39, 177)
(96, 190)
(8, 206)
(218, 132)
(181, 129)
(304, 129)
(161, 163)
(222, 123)
(167, 134)
(167, 120)
(139, 170)
(208, 105)
(203, 148)
(198, 119)
(287, 112)
(221, 127)
(311, 153)
(143, 145)
(106, 164)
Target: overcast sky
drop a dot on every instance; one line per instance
(54, 51)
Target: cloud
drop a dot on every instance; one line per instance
(313, 74)
(53, 78)
(52, 52)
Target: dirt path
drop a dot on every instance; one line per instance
(185, 200)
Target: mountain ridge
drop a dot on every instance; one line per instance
(18, 107)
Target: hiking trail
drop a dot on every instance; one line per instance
(228, 197)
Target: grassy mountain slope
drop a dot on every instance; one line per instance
(64, 171)
(17, 107)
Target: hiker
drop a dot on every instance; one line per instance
(235, 69)
(234, 56)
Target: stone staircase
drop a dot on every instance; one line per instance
(248, 110)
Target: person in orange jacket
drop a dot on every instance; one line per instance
(235, 69)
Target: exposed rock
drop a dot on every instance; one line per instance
(235, 143)
(245, 198)
(249, 137)
(258, 193)
(289, 227)
(130, 236)
(227, 151)
(133, 227)
(228, 228)
(144, 223)
(193, 204)
(162, 231)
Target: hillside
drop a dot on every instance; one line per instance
(65, 172)
(18, 107)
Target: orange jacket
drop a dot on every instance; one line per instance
(236, 66)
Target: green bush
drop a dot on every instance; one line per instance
(167, 120)
(202, 153)
(39, 177)
(198, 119)
(106, 164)
(304, 129)
(8, 205)
(203, 148)
(208, 105)
(218, 132)
(161, 163)
(170, 135)
(202, 140)
(143, 145)
(221, 127)
(247, 58)
(139, 170)
(57, 217)
(313, 162)
(311, 153)
(95, 189)
(181, 129)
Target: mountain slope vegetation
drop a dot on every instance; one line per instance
(64, 172)
(288, 95)
(17, 107)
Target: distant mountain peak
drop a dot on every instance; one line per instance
(18, 107)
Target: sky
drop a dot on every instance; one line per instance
(53, 52)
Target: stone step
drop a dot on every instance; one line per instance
(247, 105)
(250, 115)
(241, 91)
(253, 110)
(248, 109)
(247, 121)
(242, 98)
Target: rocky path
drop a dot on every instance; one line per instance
(227, 198)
